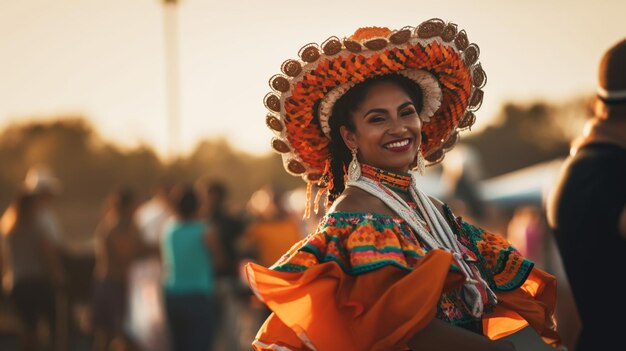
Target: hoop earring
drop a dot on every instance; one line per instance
(420, 165)
(354, 169)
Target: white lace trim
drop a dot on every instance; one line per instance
(271, 346)
(301, 335)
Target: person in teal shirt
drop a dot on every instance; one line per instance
(189, 250)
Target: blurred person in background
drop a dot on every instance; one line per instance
(227, 226)
(146, 306)
(272, 230)
(41, 181)
(231, 292)
(587, 210)
(526, 231)
(461, 178)
(191, 253)
(32, 272)
(117, 244)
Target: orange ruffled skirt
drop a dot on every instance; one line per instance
(322, 308)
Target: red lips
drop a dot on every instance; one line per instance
(400, 145)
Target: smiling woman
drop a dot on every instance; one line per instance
(388, 267)
(378, 120)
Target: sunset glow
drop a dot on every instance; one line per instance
(105, 60)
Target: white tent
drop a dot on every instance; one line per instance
(531, 184)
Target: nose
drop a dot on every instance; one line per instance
(397, 127)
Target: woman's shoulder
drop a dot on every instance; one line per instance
(185, 226)
(358, 200)
(355, 200)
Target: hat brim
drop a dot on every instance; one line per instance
(434, 47)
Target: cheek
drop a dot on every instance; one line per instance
(367, 134)
(416, 128)
(419, 123)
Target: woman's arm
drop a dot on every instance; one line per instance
(440, 336)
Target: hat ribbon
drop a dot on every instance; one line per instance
(611, 95)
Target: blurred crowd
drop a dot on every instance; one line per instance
(165, 273)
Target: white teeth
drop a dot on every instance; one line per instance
(397, 144)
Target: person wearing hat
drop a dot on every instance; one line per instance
(41, 181)
(389, 268)
(587, 209)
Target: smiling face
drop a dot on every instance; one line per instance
(387, 131)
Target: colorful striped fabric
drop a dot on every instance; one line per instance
(362, 242)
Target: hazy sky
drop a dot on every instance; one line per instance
(105, 59)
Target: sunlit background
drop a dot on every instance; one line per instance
(108, 60)
(143, 93)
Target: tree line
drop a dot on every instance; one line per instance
(89, 167)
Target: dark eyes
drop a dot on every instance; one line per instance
(408, 112)
(404, 113)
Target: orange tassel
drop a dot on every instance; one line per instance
(329, 183)
(329, 186)
(316, 203)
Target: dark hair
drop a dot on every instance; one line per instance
(120, 202)
(185, 201)
(218, 191)
(123, 198)
(341, 115)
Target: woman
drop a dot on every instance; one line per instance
(32, 271)
(117, 245)
(273, 229)
(188, 250)
(388, 267)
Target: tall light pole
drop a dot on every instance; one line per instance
(172, 78)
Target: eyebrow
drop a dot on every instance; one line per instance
(382, 110)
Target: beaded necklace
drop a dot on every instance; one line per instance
(397, 181)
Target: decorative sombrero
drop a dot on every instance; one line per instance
(435, 55)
